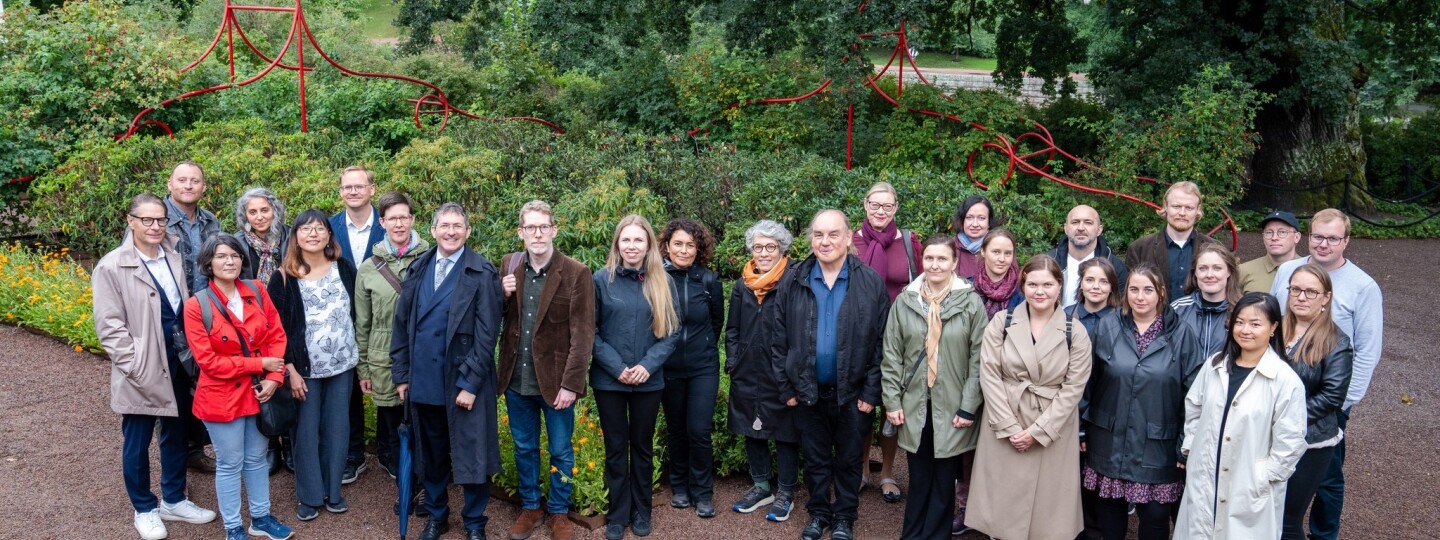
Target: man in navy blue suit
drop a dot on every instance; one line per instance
(357, 228)
(447, 323)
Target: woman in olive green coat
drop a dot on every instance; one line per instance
(930, 381)
(375, 299)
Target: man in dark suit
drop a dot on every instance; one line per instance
(357, 229)
(446, 326)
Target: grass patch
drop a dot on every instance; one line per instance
(378, 16)
(928, 59)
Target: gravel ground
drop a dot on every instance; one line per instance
(60, 443)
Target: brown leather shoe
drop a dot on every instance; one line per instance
(560, 527)
(525, 524)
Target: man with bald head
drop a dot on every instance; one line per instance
(832, 317)
(1083, 242)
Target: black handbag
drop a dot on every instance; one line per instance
(278, 414)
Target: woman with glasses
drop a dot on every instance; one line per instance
(971, 223)
(755, 413)
(895, 255)
(1244, 430)
(1212, 287)
(260, 216)
(692, 373)
(636, 329)
(138, 289)
(228, 398)
(313, 294)
(375, 299)
(1322, 356)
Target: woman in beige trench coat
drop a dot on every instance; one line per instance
(1032, 374)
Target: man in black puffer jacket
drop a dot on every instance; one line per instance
(832, 316)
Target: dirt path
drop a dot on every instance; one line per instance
(60, 443)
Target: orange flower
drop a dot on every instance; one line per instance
(553, 470)
(79, 349)
(505, 419)
(590, 464)
(574, 470)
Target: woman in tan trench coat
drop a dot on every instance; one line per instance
(1027, 470)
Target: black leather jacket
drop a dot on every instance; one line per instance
(1326, 383)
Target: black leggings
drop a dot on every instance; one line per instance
(1301, 490)
(1114, 518)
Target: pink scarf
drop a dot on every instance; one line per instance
(996, 294)
(875, 244)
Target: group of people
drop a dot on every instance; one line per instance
(1133, 366)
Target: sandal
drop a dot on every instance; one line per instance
(890, 490)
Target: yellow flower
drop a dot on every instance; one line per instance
(590, 464)
(575, 470)
(553, 469)
(584, 440)
(9, 315)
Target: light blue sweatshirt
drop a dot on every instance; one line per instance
(1359, 311)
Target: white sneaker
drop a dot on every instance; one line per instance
(149, 526)
(186, 511)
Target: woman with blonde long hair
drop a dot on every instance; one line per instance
(635, 332)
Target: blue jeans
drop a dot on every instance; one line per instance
(525, 412)
(137, 430)
(1325, 513)
(240, 453)
(322, 439)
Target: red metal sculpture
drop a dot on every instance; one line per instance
(1008, 148)
(433, 102)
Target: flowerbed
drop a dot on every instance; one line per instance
(45, 290)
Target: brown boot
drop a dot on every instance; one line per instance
(560, 527)
(525, 524)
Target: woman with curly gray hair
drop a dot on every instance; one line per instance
(756, 412)
(260, 217)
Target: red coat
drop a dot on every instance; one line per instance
(225, 391)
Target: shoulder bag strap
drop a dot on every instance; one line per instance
(909, 254)
(385, 272)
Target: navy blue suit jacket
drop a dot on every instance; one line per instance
(342, 234)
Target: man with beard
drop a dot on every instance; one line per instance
(1172, 249)
(1082, 242)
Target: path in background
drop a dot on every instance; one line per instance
(60, 443)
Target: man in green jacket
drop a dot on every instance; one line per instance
(377, 289)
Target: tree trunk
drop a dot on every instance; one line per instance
(1304, 161)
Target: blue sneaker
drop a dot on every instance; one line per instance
(271, 528)
(305, 512)
(781, 506)
(236, 533)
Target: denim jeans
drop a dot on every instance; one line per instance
(1325, 513)
(137, 430)
(322, 435)
(787, 462)
(525, 413)
(240, 453)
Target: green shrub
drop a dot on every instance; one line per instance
(45, 290)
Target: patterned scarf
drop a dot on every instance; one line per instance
(973, 246)
(996, 294)
(762, 284)
(269, 255)
(932, 329)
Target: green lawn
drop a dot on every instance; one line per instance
(377, 15)
(928, 59)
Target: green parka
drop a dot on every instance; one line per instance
(957, 384)
(375, 302)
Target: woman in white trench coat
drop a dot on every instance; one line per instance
(1244, 431)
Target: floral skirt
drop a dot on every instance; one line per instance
(1132, 492)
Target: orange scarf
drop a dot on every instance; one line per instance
(762, 284)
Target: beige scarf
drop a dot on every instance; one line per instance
(932, 329)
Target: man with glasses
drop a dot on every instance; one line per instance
(1172, 249)
(1281, 233)
(189, 226)
(446, 326)
(357, 229)
(831, 317)
(1358, 310)
(545, 350)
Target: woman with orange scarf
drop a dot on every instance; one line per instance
(756, 411)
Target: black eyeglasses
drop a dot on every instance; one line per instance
(148, 222)
(1308, 294)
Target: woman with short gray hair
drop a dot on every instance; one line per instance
(260, 216)
(755, 412)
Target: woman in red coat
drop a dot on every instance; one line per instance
(226, 398)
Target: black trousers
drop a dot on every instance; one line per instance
(832, 445)
(433, 427)
(356, 453)
(387, 438)
(689, 427)
(1301, 487)
(1114, 517)
(931, 505)
(628, 419)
